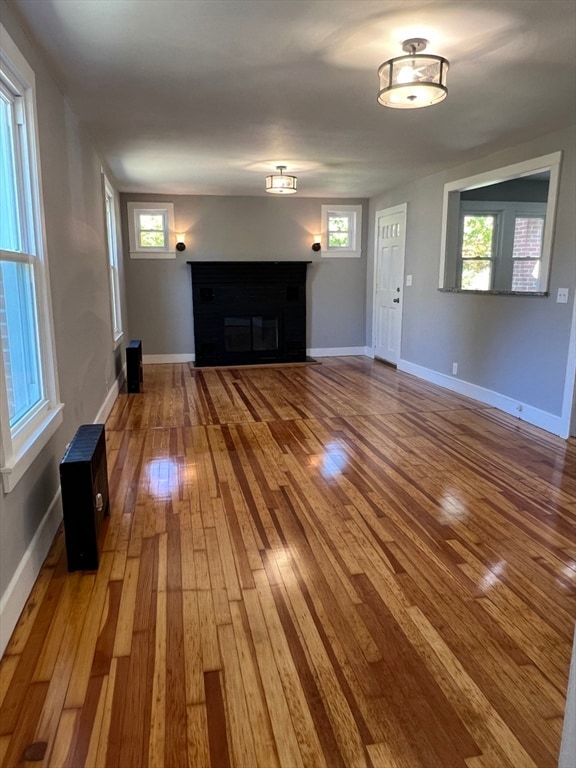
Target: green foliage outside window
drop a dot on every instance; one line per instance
(476, 253)
(152, 233)
(477, 237)
(339, 232)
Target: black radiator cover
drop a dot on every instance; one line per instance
(84, 475)
(134, 374)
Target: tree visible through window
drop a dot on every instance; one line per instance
(152, 230)
(339, 231)
(341, 228)
(477, 252)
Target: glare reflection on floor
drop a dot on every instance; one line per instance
(334, 460)
(492, 576)
(166, 475)
(453, 509)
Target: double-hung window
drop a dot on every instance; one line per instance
(29, 408)
(500, 246)
(112, 242)
(151, 230)
(341, 231)
(478, 250)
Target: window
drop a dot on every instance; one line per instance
(527, 252)
(151, 230)
(112, 241)
(500, 246)
(478, 238)
(29, 409)
(341, 231)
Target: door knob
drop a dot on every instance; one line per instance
(396, 301)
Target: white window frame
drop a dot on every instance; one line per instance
(505, 213)
(22, 444)
(138, 251)
(354, 214)
(113, 267)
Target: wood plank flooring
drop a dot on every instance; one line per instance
(335, 565)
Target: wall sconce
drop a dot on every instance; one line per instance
(317, 244)
(181, 242)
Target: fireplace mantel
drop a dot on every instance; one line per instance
(249, 312)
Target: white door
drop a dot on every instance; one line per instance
(390, 241)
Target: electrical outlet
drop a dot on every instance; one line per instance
(562, 296)
(454, 369)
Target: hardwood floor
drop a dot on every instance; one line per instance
(333, 565)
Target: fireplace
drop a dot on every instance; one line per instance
(249, 312)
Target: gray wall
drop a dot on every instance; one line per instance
(516, 191)
(244, 228)
(86, 363)
(516, 346)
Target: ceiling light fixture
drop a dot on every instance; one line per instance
(281, 184)
(413, 81)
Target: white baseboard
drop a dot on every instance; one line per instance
(314, 352)
(113, 393)
(17, 592)
(522, 411)
(189, 357)
(335, 351)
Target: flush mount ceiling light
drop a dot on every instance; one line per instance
(413, 81)
(280, 183)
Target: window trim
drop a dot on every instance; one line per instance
(139, 252)
(20, 447)
(111, 232)
(353, 213)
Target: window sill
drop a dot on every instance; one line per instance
(14, 469)
(341, 254)
(155, 255)
(494, 292)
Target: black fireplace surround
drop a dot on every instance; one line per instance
(249, 312)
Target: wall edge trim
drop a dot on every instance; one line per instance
(535, 416)
(187, 357)
(335, 351)
(18, 590)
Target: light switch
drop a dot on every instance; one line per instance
(408, 280)
(562, 296)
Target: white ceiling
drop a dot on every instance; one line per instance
(208, 96)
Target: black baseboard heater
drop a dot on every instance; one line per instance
(85, 502)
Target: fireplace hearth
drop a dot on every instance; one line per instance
(249, 312)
